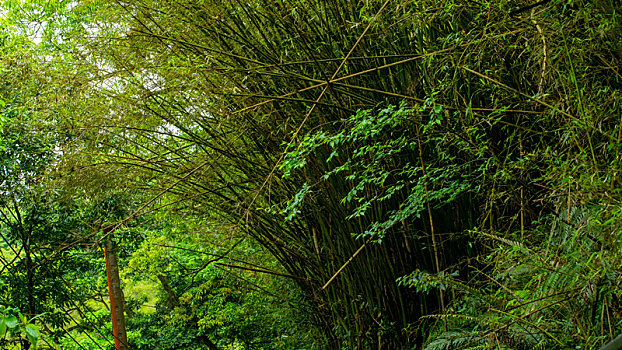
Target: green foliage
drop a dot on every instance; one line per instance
(476, 144)
(13, 323)
(231, 306)
(556, 294)
(502, 110)
(380, 161)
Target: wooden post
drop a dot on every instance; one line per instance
(116, 296)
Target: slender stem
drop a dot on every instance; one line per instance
(434, 243)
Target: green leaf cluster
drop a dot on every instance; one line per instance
(13, 323)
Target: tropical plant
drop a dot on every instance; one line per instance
(427, 172)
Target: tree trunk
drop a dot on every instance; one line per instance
(117, 303)
(30, 283)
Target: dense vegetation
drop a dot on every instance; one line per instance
(280, 174)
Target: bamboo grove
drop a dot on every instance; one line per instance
(429, 174)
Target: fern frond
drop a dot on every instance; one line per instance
(456, 340)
